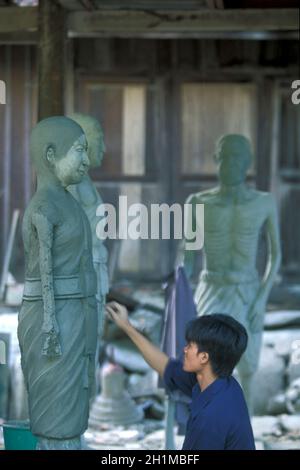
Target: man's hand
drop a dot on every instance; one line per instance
(155, 358)
(118, 313)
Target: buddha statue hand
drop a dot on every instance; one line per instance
(51, 347)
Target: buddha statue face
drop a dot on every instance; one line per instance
(233, 158)
(58, 150)
(94, 135)
(73, 166)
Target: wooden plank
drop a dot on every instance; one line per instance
(265, 118)
(30, 88)
(207, 54)
(187, 53)
(161, 22)
(228, 105)
(18, 94)
(69, 77)
(104, 102)
(16, 19)
(8, 252)
(134, 127)
(19, 37)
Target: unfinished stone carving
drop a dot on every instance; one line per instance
(58, 319)
(234, 215)
(89, 198)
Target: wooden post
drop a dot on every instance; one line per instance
(51, 59)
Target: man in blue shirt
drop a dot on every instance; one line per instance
(219, 418)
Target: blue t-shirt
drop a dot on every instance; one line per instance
(219, 418)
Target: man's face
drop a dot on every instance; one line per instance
(71, 168)
(232, 169)
(192, 358)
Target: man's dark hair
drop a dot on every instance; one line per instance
(222, 337)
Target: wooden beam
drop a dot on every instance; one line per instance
(24, 21)
(167, 22)
(137, 4)
(51, 56)
(17, 19)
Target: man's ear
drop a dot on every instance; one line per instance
(49, 153)
(204, 356)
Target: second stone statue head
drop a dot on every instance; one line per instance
(58, 149)
(94, 135)
(234, 157)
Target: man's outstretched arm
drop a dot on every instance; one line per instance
(152, 355)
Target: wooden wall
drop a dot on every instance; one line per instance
(166, 66)
(18, 70)
(163, 66)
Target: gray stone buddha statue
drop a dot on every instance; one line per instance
(58, 318)
(89, 198)
(234, 216)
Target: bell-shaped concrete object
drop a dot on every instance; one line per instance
(114, 405)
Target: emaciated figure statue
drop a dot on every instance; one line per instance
(233, 218)
(58, 318)
(89, 198)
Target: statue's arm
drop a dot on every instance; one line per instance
(189, 255)
(272, 266)
(44, 228)
(274, 250)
